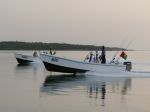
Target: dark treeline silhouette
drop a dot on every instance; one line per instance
(17, 45)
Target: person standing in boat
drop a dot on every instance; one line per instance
(35, 54)
(96, 57)
(50, 51)
(91, 59)
(103, 54)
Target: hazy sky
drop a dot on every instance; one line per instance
(96, 22)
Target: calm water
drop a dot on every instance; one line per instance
(33, 89)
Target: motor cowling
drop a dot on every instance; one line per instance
(128, 65)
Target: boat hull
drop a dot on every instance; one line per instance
(22, 61)
(58, 64)
(58, 68)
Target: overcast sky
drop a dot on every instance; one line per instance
(97, 22)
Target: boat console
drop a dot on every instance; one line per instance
(128, 65)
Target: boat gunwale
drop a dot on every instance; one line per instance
(76, 61)
(19, 54)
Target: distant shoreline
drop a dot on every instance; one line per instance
(18, 45)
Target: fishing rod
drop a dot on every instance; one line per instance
(122, 50)
(117, 51)
(131, 42)
(127, 47)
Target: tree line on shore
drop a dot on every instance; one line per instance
(17, 45)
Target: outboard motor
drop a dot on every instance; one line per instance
(128, 65)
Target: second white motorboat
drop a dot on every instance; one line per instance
(25, 59)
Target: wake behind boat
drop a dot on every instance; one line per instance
(25, 59)
(59, 64)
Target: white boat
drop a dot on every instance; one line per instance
(58, 64)
(25, 59)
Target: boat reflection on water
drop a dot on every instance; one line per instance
(57, 84)
(30, 68)
(23, 67)
(97, 87)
